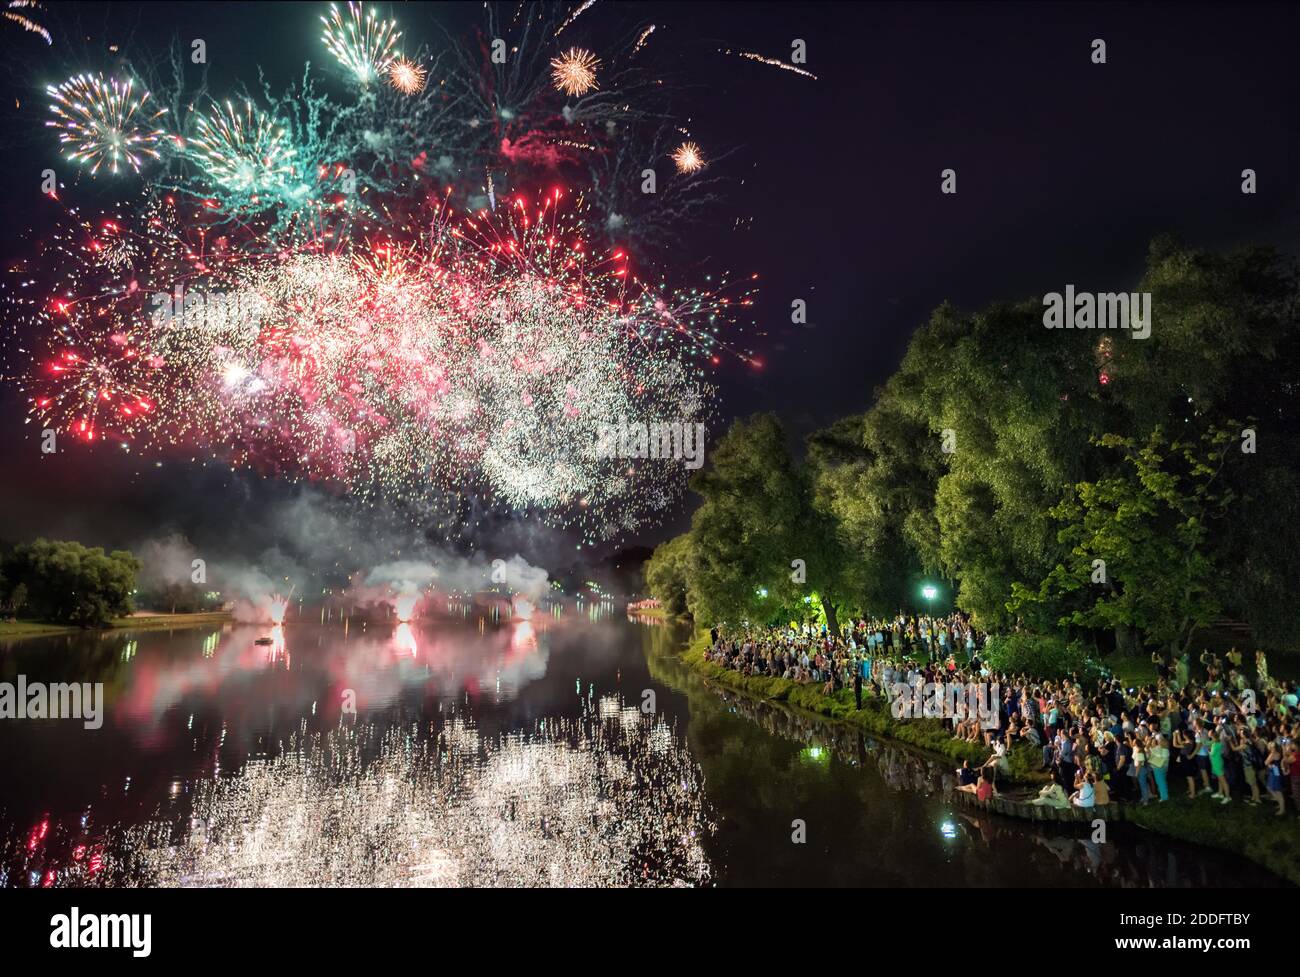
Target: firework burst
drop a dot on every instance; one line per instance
(244, 151)
(574, 72)
(687, 158)
(362, 42)
(407, 77)
(103, 121)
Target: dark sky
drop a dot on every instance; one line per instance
(1066, 169)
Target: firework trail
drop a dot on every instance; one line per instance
(774, 62)
(12, 13)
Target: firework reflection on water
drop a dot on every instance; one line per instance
(611, 798)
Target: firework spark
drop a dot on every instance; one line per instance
(688, 158)
(645, 36)
(26, 23)
(574, 72)
(362, 42)
(577, 12)
(774, 62)
(103, 121)
(407, 76)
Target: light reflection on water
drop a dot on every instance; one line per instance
(235, 761)
(606, 799)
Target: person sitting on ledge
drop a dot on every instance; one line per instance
(966, 777)
(1085, 796)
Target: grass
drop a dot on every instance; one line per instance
(1255, 833)
(143, 622)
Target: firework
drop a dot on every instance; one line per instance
(406, 76)
(362, 42)
(577, 12)
(104, 121)
(643, 38)
(244, 150)
(299, 296)
(687, 158)
(574, 72)
(774, 62)
(11, 13)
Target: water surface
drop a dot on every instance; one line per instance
(562, 751)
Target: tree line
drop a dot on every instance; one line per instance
(1073, 482)
(64, 582)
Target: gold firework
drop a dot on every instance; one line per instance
(407, 76)
(574, 71)
(688, 159)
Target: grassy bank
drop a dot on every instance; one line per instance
(1253, 833)
(143, 622)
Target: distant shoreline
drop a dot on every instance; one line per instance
(144, 622)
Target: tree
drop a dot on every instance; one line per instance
(1139, 560)
(760, 546)
(667, 572)
(66, 582)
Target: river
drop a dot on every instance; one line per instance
(570, 750)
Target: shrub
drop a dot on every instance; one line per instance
(1045, 656)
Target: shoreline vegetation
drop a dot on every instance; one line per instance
(141, 622)
(1249, 832)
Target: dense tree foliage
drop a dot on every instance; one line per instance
(67, 583)
(1006, 457)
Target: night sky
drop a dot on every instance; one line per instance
(1066, 170)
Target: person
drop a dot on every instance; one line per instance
(1273, 779)
(966, 777)
(1123, 767)
(1223, 794)
(1140, 772)
(1248, 754)
(987, 788)
(1294, 755)
(1158, 761)
(998, 762)
(1186, 750)
(1051, 796)
(857, 688)
(1086, 795)
(1203, 765)
(1101, 791)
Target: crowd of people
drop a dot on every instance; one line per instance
(1229, 735)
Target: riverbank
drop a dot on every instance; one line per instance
(143, 622)
(926, 734)
(1254, 833)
